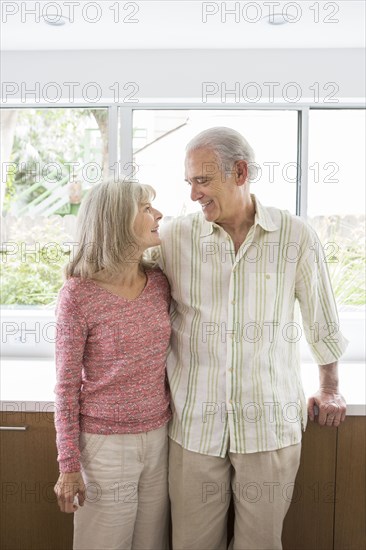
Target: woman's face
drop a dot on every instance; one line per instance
(146, 225)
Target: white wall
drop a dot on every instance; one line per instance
(179, 74)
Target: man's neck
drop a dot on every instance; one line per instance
(238, 227)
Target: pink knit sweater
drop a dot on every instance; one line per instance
(110, 361)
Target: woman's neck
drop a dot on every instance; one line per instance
(128, 276)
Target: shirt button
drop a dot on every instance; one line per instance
(230, 369)
(233, 302)
(268, 276)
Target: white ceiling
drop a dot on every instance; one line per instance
(179, 24)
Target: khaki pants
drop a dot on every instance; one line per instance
(201, 487)
(126, 503)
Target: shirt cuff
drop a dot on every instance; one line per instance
(329, 349)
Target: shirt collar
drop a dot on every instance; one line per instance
(262, 218)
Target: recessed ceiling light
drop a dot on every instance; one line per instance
(277, 19)
(55, 20)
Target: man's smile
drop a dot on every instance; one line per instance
(206, 204)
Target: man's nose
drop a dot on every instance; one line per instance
(195, 193)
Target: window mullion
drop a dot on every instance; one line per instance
(126, 136)
(302, 163)
(112, 139)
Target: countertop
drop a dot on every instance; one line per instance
(27, 385)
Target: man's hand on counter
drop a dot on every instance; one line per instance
(328, 406)
(330, 403)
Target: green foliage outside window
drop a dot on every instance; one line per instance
(342, 239)
(48, 148)
(59, 135)
(32, 273)
(43, 137)
(35, 279)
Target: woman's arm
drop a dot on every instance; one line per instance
(71, 337)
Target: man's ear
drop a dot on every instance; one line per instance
(241, 172)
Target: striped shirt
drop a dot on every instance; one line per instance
(233, 365)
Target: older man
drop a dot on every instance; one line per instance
(236, 270)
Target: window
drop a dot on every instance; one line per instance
(160, 137)
(51, 158)
(336, 198)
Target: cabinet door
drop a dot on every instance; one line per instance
(350, 509)
(30, 517)
(309, 521)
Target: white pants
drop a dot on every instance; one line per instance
(126, 504)
(201, 488)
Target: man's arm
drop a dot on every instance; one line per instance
(330, 403)
(321, 325)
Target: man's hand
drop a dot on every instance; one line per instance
(331, 406)
(67, 487)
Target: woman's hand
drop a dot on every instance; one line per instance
(67, 487)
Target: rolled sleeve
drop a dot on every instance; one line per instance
(314, 292)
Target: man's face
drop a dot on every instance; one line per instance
(216, 191)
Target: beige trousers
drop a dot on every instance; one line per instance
(126, 505)
(201, 488)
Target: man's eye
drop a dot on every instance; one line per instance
(200, 181)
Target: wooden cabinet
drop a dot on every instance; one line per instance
(309, 521)
(330, 509)
(327, 512)
(350, 505)
(30, 517)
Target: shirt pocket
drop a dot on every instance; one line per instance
(262, 293)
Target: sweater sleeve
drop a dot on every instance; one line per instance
(71, 335)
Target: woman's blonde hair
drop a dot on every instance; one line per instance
(105, 235)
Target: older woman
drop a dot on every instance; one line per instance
(112, 399)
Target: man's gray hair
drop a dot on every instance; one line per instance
(228, 145)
